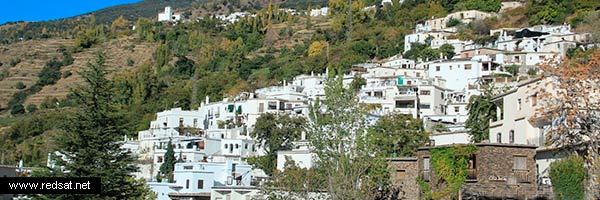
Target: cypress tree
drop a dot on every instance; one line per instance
(91, 142)
(168, 166)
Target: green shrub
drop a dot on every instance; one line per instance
(512, 69)
(67, 74)
(453, 22)
(14, 61)
(17, 109)
(568, 176)
(31, 108)
(19, 85)
(130, 62)
(3, 74)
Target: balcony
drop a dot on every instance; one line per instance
(522, 176)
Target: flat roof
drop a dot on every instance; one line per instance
(485, 144)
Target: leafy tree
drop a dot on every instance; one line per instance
(119, 23)
(31, 108)
(19, 85)
(276, 132)
(482, 5)
(317, 48)
(568, 177)
(574, 115)
(398, 135)
(90, 144)
(452, 22)
(17, 109)
(345, 154)
(168, 165)
(512, 69)
(357, 83)
(298, 183)
(447, 50)
(481, 111)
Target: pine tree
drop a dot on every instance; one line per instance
(91, 142)
(166, 169)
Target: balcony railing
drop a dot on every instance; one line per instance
(522, 176)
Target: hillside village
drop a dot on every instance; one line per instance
(435, 80)
(215, 142)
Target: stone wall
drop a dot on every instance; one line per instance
(404, 176)
(494, 175)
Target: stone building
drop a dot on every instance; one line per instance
(495, 171)
(404, 176)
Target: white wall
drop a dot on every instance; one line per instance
(302, 158)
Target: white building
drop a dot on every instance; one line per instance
(463, 16)
(197, 179)
(462, 74)
(168, 15)
(319, 12)
(516, 121)
(424, 38)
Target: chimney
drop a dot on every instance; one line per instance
(207, 99)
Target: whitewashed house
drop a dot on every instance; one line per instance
(168, 15)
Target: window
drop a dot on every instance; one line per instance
(200, 184)
(272, 105)
(437, 68)
(400, 175)
(533, 100)
(456, 109)
(405, 104)
(542, 57)
(226, 146)
(237, 146)
(418, 74)
(518, 104)
(246, 146)
(472, 162)
(378, 94)
(450, 67)
(189, 167)
(424, 106)
(499, 138)
(261, 107)
(180, 121)
(426, 164)
(425, 92)
(511, 136)
(467, 66)
(159, 159)
(195, 122)
(187, 183)
(519, 162)
(408, 82)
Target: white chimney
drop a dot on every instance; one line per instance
(207, 99)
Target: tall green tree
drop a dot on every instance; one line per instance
(568, 177)
(481, 111)
(91, 143)
(276, 132)
(398, 135)
(353, 167)
(168, 165)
